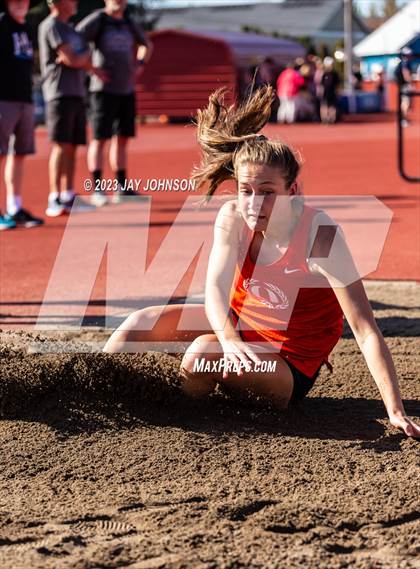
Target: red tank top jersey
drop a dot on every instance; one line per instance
(285, 304)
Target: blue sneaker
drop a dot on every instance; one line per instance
(25, 219)
(6, 222)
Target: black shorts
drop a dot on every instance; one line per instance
(66, 120)
(302, 383)
(112, 115)
(330, 100)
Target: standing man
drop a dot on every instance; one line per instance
(16, 109)
(330, 83)
(64, 58)
(403, 79)
(121, 49)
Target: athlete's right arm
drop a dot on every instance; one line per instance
(220, 276)
(221, 271)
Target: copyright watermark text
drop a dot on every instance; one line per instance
(137, 184)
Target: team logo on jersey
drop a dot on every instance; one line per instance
(22, 45)
(267, 293)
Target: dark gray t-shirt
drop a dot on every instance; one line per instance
(115, 46)
(58, 80)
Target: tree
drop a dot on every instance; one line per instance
(141, 15)
(389, 8)
(357, 11)
(373, 11)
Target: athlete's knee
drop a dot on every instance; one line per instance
(197, 382)
(131, 329)
(203, 347)
(141, 320)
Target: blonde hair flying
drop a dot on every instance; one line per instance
(228, 136)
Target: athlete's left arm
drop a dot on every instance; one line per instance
(341, 273)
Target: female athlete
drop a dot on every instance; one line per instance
(275, 296)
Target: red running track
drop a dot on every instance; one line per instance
(345, 159)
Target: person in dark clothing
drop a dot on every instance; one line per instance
(357, 78)
(121, 48)
(330, 82)
(403, 79)
(16, 108)
(64, 58)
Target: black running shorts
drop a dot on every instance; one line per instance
(66, 120)
(302, 383)
(112, 115)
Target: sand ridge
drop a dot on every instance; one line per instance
(106, 464)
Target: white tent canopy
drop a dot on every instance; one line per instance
(394, 34)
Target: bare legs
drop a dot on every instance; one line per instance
(61, 167)
(13, 175)
(95, 155)
(67, 178)
(405, 108)
(276, 385)
(158, 324)
(117, 154)
(328, 114)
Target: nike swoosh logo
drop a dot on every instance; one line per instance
(288, 271)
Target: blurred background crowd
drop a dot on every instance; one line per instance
(118, 63)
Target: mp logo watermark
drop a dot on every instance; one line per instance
(117, 260)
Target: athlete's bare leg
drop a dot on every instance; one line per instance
(159, 324)
(275, 385)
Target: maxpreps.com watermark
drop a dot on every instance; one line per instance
(137, 184)
(203, 365)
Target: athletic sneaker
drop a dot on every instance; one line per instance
(23, 218)
(81, 205)
(55, 208)
(99, 199)
(6, 222)
(117, 197)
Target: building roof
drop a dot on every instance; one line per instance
(245, 46)
(294, 18)
(394, 34)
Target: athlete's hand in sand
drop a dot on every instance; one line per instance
(237, 356)
(406, 425)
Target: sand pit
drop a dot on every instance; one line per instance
(105, 464)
